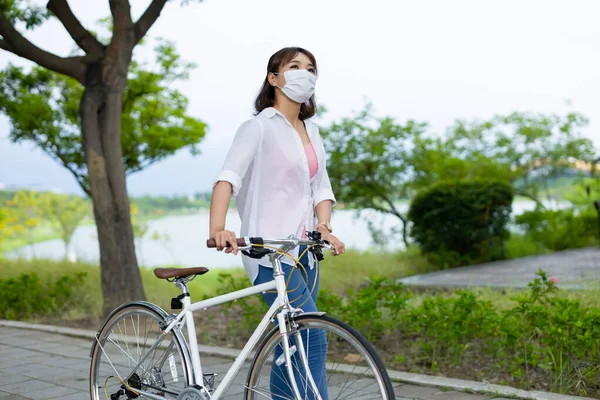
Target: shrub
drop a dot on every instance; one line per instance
(560, 229)
(459, 223)
(27, 296)
(544, 340)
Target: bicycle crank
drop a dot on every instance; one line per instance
(191, 393)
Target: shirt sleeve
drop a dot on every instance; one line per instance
(321, 186)
(322, 189)
(241, 154)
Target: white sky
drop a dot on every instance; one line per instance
(432, 61)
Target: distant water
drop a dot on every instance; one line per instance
(187, 235)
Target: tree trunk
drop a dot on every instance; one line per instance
(405, 233)
(100, 112)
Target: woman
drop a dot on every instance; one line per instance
(276, 169)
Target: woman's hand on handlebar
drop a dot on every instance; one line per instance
(338, 246)
(226, 240)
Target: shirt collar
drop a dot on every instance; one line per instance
(270, 112)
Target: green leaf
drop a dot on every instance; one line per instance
(43, 108)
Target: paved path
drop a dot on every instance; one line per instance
(41, 365)
(572, 268)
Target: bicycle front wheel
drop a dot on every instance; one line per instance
(124, 359)
(342, 364)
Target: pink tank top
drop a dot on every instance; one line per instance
(313, 166)
(311, 156)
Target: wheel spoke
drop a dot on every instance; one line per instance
(122, 346)
(341, 362)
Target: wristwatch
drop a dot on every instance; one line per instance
(327, 225)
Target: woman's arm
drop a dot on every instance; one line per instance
(323, 211)
(229, 182)
(219, 205)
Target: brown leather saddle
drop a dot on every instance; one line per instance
(166, 273)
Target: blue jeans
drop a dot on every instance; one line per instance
(300, 285)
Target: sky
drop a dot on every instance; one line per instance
(434, 61)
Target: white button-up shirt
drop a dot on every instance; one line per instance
(268, 170)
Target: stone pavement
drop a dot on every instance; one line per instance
(42, 365)
(578, 268)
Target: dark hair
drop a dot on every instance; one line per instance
(266, 97)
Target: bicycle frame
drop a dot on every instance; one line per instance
(185, 317)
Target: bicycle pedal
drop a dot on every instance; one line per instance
(281, 359)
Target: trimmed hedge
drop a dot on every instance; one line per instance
(464, 222)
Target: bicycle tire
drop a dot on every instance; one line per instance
(151, 379)
(325, 322)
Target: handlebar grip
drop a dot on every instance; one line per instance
(212, 243)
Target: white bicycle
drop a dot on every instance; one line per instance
(141, 351)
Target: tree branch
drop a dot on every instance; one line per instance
(121, 13)
(392, 210)
(148, 19)
(16, 43)
(4, 45)
(84, 39)
(531, 197)
(143, 165)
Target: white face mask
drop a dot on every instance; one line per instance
(299, 85)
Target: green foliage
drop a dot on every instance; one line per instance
(584, 192)
(368, 160)
(459, 223)
(22, 214)
(3, 226)
(139, 225)
(65, 213)
(27, 296)
(56, 216)
(355, 267)
(532, 147)
(22, 11)
(540, 338)
(375, 163)
(151, 204)
(560, 229)
(88, 295)
(155, 123)
(247, 311)
(556, 335)
(520, 245)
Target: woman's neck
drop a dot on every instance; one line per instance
(289, 109)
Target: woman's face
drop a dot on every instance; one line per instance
(300, 61)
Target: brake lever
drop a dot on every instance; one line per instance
(327, 245)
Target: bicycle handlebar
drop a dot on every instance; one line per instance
(248, 241)
(211, 243)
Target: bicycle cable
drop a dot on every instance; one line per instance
(297, 264)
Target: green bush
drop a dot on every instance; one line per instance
(543, 341)
(464, 222)
(522, 245)
(560, 229)
(27, 296)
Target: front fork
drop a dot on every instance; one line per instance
(287, 328)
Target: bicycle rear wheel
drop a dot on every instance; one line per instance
(344, 365)
(126, 339)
